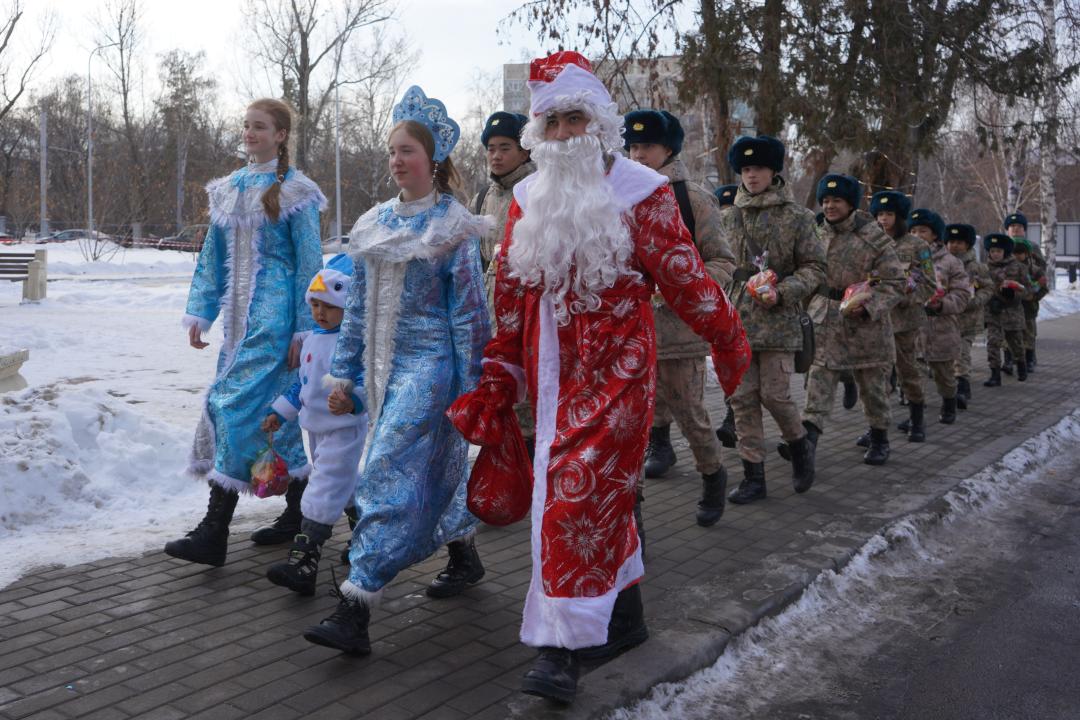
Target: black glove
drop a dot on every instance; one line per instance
(995, 306)
(1008, 294)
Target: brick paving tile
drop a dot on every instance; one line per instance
(153, 637)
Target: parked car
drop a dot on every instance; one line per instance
(6, 239)
(335, 244)
(76, 234)
(189, 239)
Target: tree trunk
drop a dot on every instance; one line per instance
(1048, 148)
(1015, 172)
(181, 171)
(769, 118)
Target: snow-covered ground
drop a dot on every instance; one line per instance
(92, 450)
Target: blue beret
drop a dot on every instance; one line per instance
(930, 219)
(1015, 219)
(503, 124)
(998, 240)
(726, 194)
(961, 231)
(891, 201)
(841, 186)
(763, 150)
(653, 126)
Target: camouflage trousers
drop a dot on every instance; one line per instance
(944, 378)
(1031, 328)
(907, 370)
(996, 337)
(962, 366)
(873, 391)
(766, 384)
(680, 396)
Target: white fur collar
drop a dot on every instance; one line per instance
(229, 205)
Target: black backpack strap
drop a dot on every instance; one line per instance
(682, 196)
(480, 199)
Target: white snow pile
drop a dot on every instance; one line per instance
(1063, 300)
(914, 564)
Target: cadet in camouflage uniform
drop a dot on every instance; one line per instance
(766, 227)
(1004, 313)
(862, 339)
(654, 139)
(908, 316)
(1016, 228)
(725, 194)
(960, 239)
(508, 163)
(941, 336)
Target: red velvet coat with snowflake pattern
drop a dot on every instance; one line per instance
(606, 388)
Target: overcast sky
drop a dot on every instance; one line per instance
(455, 37)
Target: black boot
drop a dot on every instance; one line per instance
(1021, 370)
(1007, 364)
(346, 629)
(851, 394)
(301, 571)
(879, 447)
(626, 629)
(350, 514)
(995, 378)
(963, 392)
(209, 541)
(711, 505)
(287, 524)
(463, 569)
(726, 432)
(903, 426)
(1029, 358)
(659, 455)
(639, 521)
(863, 440)
(948, 411)
(554, 675)
(916, 431)
(802, 458)
(752, 486)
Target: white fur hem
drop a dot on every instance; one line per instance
(188, 321)
(284, 408)
(354, 592)
(229, 483)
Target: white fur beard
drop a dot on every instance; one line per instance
(572, 236)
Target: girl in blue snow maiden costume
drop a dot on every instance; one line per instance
(261, 252)
(415, 328)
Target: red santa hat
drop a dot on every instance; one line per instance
(562, 77)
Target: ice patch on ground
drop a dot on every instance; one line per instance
(916, 563)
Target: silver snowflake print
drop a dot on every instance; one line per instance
(622, 420)
(582, 537)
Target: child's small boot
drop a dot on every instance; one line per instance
(300, 572)
(350, 514)
(287, 524)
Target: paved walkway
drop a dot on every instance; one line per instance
(153, 637)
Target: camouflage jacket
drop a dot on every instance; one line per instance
(674, 338)
(775, 223)
(941, 335)
(1008, 312)
(914, 255)
(1036, 268)
(971, 320)
(858, 249)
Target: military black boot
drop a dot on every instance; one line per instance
(626, 629)
(301, 571)
(1007, 363)
(659, 455)
(864, 439)
(346, 629)
(287, 524)
(752, 486)
(554, 675)
(851, 394)
(1029, 358)
(208, 543)
(351, 516)
(462, 569)
(1021, 370)
(711, 505)
(879, 447)
(803, 451)
(916, 431)
(963, 392)
(948, 411)
(995, 378)
(726, 432)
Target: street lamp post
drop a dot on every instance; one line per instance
(90, 141)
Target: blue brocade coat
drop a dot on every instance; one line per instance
(414, 332)
(253, 273)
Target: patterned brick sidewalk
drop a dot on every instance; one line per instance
(153, 637)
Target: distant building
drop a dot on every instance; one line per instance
(647, 85)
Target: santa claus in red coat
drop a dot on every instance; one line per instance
(590, 237)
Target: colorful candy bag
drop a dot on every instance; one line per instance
(762, 285)
(855, 296)
(269, 473)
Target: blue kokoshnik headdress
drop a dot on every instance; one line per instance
(430, 113)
